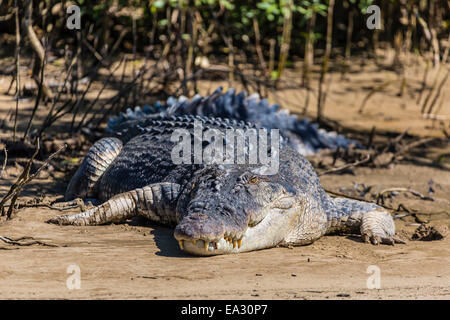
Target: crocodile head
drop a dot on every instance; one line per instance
(234, 209)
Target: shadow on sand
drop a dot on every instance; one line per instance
(163, 237)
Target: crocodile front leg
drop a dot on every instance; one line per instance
(370, 220)
(156, 202)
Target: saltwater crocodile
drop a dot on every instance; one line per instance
(215, 208)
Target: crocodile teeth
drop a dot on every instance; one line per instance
(226, 238)
(239, 243)
(206, 245)
(180, 242)
(234, 243)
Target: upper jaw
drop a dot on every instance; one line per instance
(205, 248)
(210, 246)
(252, 238)
(207, 233)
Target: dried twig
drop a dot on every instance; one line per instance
(424, 82)
(17, 54)
(111, 102)
(92, 104)
(380, 195)
(438, 93)
(348, 165)
(372, 92)
(414, 144)
(258, 47)
(24, 179)
(20, 242)
(49, 119)
(16, 188)
(324, 70)
(339, 194)
(46, 205)
(38, 97)
(4, 162)
(400, 208)
(430, 93)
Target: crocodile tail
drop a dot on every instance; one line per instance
(173, 106)
(305, 136)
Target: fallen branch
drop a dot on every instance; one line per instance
(24, 179)
(348, 165)
(19, 242)
(17, 185)
(46, 205)
(372, 92)
(400, 208)
(338, 194)
(381, 194)
(413, 145)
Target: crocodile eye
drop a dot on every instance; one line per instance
(253, 180)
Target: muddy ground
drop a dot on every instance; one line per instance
(138, 260)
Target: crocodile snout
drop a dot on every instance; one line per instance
(209, 230)
(199, 226)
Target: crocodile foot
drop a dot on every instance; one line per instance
(378, 227)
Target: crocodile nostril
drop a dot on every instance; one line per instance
(198, 225)
(227, 209)
(197, 206)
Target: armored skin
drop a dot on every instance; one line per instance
(215, 208)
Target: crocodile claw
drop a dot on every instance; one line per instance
(378, 227)
(65, 220)
(376, 240)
